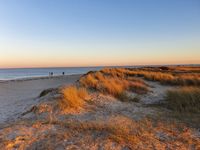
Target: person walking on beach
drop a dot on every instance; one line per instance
(63, 73)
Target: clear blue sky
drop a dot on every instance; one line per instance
(44, 33)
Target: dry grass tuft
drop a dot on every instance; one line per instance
(170, 76)
(143, 134)
(83, 93)
(186, 99)
(88, 81)
(122, 132)
(113, 82)
(112, 86)
(181, 79)
(73, 97)
(138, 87)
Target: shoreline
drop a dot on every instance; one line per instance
(46, 76)
(37, 78)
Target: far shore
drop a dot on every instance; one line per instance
(37, 78)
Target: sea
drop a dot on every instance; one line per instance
(23, 73)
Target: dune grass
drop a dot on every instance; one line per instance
(113, 83)
(89, 81)
(125, 132)
(117, 81)
(155, 74)
(73, 97)
(186, 99)
(194, 69)
(169, 78)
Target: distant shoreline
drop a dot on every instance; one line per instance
(22, 74)
(27, 74)
(38, 78)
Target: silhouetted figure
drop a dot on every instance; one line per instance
(63, 73)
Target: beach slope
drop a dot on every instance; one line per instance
(16, 95)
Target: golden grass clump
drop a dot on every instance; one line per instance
(113, 87)
(113, 82)
(167, 78)
(186, 99)
(162, 77)
(138, 87)
(88, 81)
(99, 76)
(82, 93)
(195, 69)
(114, 72)
(73, 97)
(188, 79)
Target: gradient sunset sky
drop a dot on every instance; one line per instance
(50, 33)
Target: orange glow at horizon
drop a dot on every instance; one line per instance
(89, 63)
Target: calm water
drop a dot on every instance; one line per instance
(9, 74)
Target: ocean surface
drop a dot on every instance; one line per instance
(11, 74)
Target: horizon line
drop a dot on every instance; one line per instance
(140, 65)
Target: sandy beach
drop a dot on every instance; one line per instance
(99, 75)
(17, 95)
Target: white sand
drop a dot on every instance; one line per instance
(16, 95)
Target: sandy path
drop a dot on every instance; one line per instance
(156, 94)
(15, 96)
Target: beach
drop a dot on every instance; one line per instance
(17, 95)
(116, 108)
(99, 75)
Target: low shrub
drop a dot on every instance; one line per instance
(47, 91)
(186, 99)
(73, 97)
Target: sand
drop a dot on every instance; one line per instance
(17, 95)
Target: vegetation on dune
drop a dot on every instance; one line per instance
(117, 132)
(186, 99)
(117, 81)
(114, 83)
(157, 74)
(73, 97)
(189, 69)
(114, 125)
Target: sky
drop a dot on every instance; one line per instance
(67, 33)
